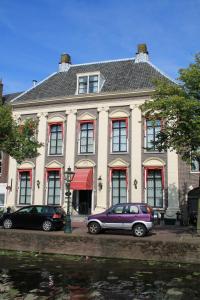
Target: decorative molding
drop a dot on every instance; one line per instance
(56, 118)
(54, 164)
(119, 113)
(133, 106)
(26, 165)
(86, 116)
(103, 108)
(85, 163)
(154, 162)
(118, 162)
(71, 111)
(42, 114)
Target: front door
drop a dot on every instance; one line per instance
(84, 202)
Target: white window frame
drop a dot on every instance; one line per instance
(163, 188)
(79, 137)
(48, 150)
(18, 187)
(111, 137)
(88, 75)
(47, 185)
(110, 179)
(145, 138)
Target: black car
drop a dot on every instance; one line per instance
(46, 217)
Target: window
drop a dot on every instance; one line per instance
(1, 158)
(195, 166)
(153, 127)
(54, 187)
(87, 137)
(117, 209)
(25, 187)
(119, 186)
(56, 139)
(2, 199)
(88, 84)
(119, 135)
(154, 187)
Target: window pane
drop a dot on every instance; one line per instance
(115, 147)
(2, 198)
(83, 149)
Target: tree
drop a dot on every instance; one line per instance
(178, 105)
(18, 140)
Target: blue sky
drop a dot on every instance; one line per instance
(35, 32)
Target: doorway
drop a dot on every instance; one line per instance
(82, 200)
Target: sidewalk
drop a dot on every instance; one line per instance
(161, 232)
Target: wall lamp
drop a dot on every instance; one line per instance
(38, 183)
(135, 182)
(100, 184)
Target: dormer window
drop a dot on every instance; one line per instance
(89, 83)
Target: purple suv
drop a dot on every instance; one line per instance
(137, 217)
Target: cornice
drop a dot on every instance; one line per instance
(83, 98)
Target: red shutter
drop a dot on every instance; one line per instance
(55, 123)
(53, 169)
(85, 122)
(119, 169)
(30, 174)
(119, 119)
(154, 168)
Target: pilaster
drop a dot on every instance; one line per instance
(173, 187)
(70, 138)
(136, 148)
(102, 158)
(40, 160)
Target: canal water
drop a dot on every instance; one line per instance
(34, 276)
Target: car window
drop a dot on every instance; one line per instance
(145, 209)
(117, 209)
(34, 210)
(24, 210)
(59, 210)
(39, 209)
(133, 209)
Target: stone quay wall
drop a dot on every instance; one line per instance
(107, 246)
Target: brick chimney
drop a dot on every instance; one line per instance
(1, 92)
(65, 62)
(142, 54)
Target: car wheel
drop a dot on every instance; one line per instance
(7, 224)
(139, 230)
(47, 225)
(94, 228)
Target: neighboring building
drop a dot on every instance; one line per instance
(90, 120)
(4, 158)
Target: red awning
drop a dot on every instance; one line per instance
(83, 180)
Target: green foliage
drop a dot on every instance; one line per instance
(179, 108)
(18, 140)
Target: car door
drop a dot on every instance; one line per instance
(114, 217)
(131, 213)
(35, 217)
(21, 217)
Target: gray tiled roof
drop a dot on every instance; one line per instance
(122, 75)
(8, 97)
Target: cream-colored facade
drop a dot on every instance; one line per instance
(101, 199)
(103, 175)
